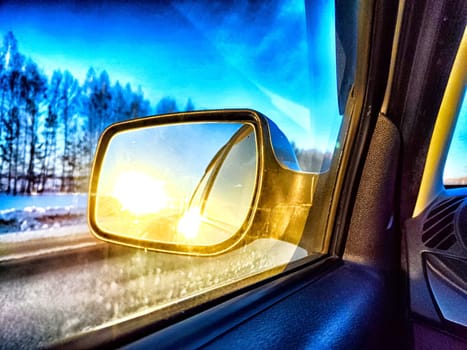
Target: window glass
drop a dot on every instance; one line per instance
(69, 70)
(455, 171)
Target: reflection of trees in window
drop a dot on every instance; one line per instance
(312, 160)
(49, 127)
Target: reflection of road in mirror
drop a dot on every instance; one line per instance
(114, 218)
(200, 196)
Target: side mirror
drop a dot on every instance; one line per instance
(197, 183)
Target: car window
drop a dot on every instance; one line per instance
(68, 71)
(455, 170)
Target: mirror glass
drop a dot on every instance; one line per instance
(190, 183)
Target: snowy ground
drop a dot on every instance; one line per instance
(46, 212)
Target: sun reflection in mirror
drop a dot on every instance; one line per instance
(140, 193)
(189, 224)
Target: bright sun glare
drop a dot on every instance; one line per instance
(140, 193)
(189, 223)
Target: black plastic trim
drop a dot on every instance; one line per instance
(382, 25)
(447, 278)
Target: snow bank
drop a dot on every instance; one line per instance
(47, 212)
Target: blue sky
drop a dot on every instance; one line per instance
(129, 151)
(229, 54)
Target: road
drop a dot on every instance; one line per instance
(67, 291)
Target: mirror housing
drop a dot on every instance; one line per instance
(243, 192)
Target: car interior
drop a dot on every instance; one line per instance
(395, 275)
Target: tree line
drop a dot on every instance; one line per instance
(49, 126)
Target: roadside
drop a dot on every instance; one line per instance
(19, 246)
(39, 225)
(23, 213)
